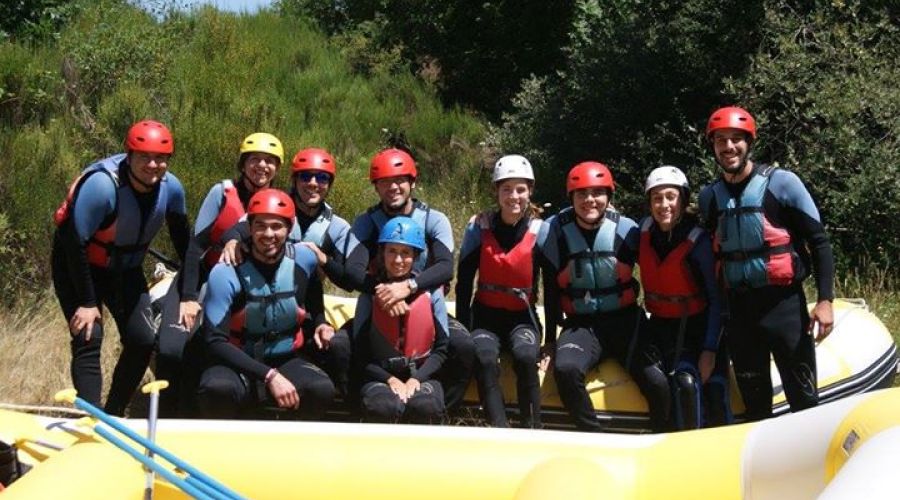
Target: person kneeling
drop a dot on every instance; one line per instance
(255, 324)
(401, 349)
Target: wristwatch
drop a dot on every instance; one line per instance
(413, 286)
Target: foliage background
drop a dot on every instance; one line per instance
(626, 82)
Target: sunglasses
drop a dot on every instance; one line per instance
(320, 177)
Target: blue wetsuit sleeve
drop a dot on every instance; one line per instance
(343, 241)
(93, 204)
(200, 242)
(546, 258)
(703, 265)
(469, 256)
(553, 316)
(439, 235)
(222, 289)
(441, 339)
(313, 299)
(176, 217)
(357, 264)
(800, 215)
(630, 235)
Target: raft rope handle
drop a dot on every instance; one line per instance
(195, 476)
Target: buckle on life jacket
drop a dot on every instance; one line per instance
(400, 365)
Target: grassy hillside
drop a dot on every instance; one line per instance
(214, 78)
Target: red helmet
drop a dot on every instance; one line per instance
(392, 163)
(313, 159)
(589, 174)
(149, 136)
(271, 202)
(731, 117)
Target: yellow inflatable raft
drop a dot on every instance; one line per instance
(860, 355)
(845, 449)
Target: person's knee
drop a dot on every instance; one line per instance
(320, 390)
(380, 405)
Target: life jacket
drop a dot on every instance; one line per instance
(231, 212)
(670, 289)
(118, 245)
(594, 281)
(420, 214)
(269, 323)
(506, 279)
(753, 251)
(408, 338)
(318, 229)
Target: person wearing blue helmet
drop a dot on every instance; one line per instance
(399, 354)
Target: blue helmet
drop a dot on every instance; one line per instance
(404, 231)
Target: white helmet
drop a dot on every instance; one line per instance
(666, 175)
(512, 167)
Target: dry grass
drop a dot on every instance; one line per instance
(35, 354)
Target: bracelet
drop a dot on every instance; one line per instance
(270, 375)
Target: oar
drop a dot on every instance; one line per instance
(164, 259)
(70, 395)
(152, 389)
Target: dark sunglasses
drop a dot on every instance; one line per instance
(321, 177)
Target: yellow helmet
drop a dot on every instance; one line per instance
(260, 142)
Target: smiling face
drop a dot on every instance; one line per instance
(147, 169)
(666, 206)
(590, 204)
(732, 148)
(513, 198)
(268, 234)
(259, 170)
(398, 260)
(395, 192)
(312, 187)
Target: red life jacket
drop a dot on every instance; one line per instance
(670, 289)
(410, 336)
(506, 279)
(231, 211)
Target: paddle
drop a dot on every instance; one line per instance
(195, 478)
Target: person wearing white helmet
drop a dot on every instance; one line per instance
(678, 277)
(504, 247)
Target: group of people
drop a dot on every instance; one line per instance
(244, 322)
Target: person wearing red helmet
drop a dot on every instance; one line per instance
(314, 171)
(260, 157)
(393, 173)
(597, 249)
(257, 316)
(104, 229)
(768, 237)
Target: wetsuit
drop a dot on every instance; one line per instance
(771, 318)
(103, 200)
(332, 235)
(433, 269)
(500, 316)
(692, 310)
(240, 360)
(602, 322)
(379, 403)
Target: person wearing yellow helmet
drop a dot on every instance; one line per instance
(260, 157)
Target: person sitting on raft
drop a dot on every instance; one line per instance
(399, 355)
(256, 318)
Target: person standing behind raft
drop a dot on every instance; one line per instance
(104, 228)
(597, 251)
(401, 353)
(261, 155)
(504, 248)
(256, 319)
(679, 279)
(765, 224)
